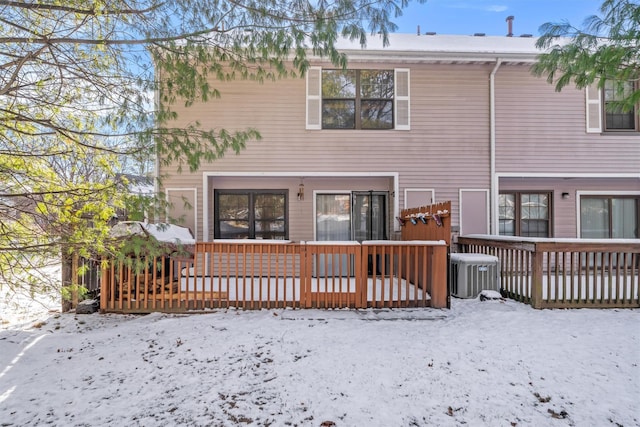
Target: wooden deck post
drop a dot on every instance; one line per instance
(362, 277)
(536, 278)
(438, 279)
(106, 286)
(305, 276)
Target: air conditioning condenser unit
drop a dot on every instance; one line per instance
(470, 274)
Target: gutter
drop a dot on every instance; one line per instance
(493, 200)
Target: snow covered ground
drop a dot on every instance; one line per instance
(482, 363)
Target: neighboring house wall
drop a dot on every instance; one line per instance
(542, 146)
(543, 131)
(566, 208)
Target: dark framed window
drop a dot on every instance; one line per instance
(616, 117)
(357, 99)
(609, 217)
(251, 214)
(525, 214)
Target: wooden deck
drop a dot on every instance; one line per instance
(564, 273)
(274, 274)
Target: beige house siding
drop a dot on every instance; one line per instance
(540, 141)
(565, 211)
(301, 213)
(541, 130)
(182, 207)
(446, 148)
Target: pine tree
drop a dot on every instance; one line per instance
(607, 48)
(77, 88)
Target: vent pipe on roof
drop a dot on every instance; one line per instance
(509, 20)
(418, 29)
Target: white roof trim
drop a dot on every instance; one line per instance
(443, 48)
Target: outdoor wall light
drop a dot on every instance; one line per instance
(565, 196)
(301, 191)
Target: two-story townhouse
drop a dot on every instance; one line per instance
(428, 118)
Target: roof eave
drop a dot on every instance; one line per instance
(436, 57)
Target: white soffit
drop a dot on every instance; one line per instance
(443, 48)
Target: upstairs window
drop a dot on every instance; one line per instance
(615, 117)
(604, 110)
(358, 99)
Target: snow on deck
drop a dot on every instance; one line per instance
(288, 289)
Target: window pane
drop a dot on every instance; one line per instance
(507, 214)
(534, 228)
(273, 230)
(333, 216)
(377, 114)
(534, 215)
(234, 229)
(269, 211)
(624, 212)
(617, 91)
(338, 114)
(620, 120)
(535, 206)
(594, 218)
(376, 84)
(233, 206)
(269, 206)
(338, 84)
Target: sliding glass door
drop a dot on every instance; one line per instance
(369, 216)
(609, 217)
(358, 215)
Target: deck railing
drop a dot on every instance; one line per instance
(564, 273)
(272, 274)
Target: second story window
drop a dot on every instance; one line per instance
(357, 99)
(615, 117)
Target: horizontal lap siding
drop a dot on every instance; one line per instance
(446, 149)
(540, 130)
(450, 119)
(565, 211)
(301, 211)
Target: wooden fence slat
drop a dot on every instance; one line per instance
(576, 274)
(226, 274)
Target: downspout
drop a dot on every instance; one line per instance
(493, 199)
